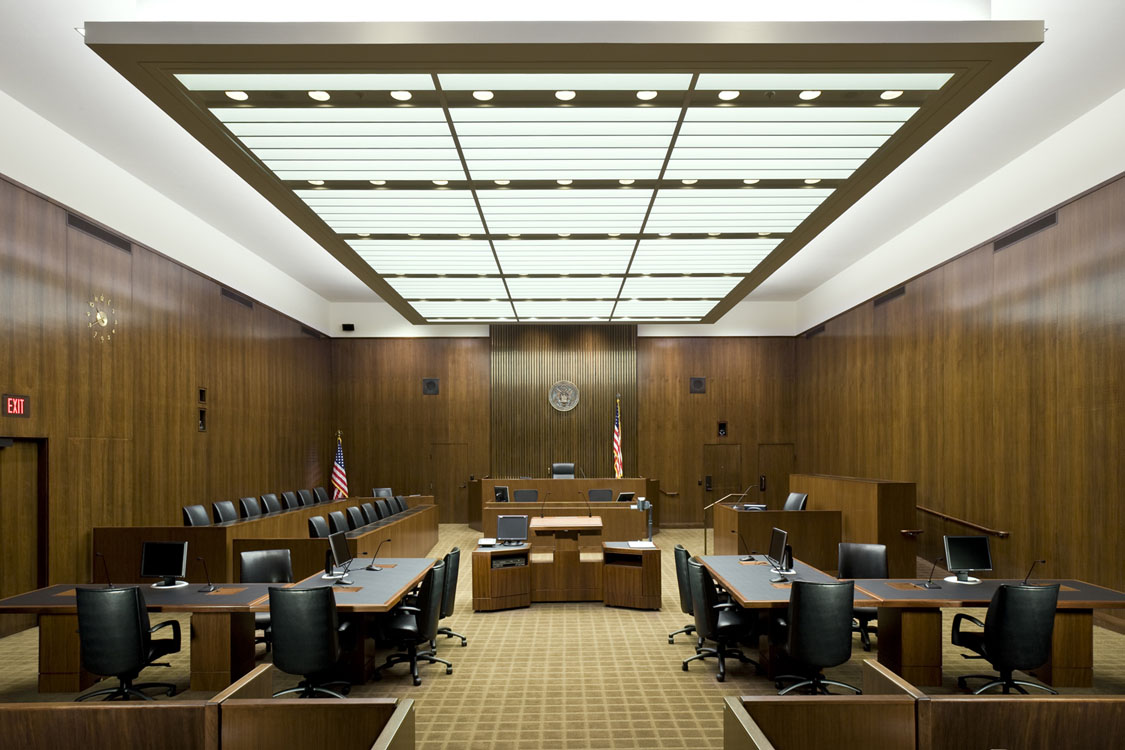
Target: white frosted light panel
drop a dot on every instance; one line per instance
(564, 256)
(701, 256)
(446, 288)
(799, 114)
(468, 309)
(821, 81)
(566, 81)
(682, 287)
(564, 288)
(568, 310)
(306, 81)
(414, 256)
(329, 114)
(663, 308)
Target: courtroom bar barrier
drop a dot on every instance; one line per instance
(892, 714)
(242, 717)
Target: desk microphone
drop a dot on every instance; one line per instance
(929, 584)
(210, 586)
(105, 569)
(543, 505)
(589, 508)
(372, 565)
(582, 473)
(1033, 564)
(749, 553)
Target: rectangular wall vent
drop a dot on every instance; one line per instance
(893, 294)
(1022, 233)
(814, 331)
(77, 222)
(245, 301)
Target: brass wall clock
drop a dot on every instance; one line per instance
(102, 317)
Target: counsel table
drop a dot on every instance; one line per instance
(910, 626)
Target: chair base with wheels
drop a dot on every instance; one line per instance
(721, 652)
(817, 684)
(310, 689)
(411, 656)
(448, 633)
(861, 623)
(686, 630)
(126, 688)
(1005, 682)
(977, 642)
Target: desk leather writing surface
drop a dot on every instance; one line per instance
(751, 587)
(374, 590)
(899, 592)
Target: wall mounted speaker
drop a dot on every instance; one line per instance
(348, 327)
(697, 385)
(429, 386)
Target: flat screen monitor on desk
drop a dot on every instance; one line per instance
(500, 493)
(965, 554)
(626, 497)
(511, 530)
(779, 554)
(164, 560)
(341, 556)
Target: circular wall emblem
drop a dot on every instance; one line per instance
(563, 395)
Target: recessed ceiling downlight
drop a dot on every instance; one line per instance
(727, 96)
(564, 96)
(320, 96)
(402, 96)
(238, 96)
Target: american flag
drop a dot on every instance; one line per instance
(339, 474)
(618, 461)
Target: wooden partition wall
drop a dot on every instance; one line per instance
(994, 384)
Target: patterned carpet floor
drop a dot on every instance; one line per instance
(575, 675)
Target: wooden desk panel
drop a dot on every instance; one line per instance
(619, 522)
(501, 588)
(570, 492)
(814, 534)
(566, 560)
(631, 577)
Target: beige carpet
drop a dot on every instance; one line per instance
(577, 675)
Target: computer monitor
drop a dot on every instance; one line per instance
(500, 493)
(964, 554)
(779, 543)
(626, 497)
(164, 560)
(511, 530)
(341, 555)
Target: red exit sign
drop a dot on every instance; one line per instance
(15, 406)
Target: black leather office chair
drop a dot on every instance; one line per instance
(321, 495)
(289, 500)
(338, 521)
(224, 511)
(818, 629)
(796, 501)
(355, 517)
(562, 471)
(1017, 634)
(684, 587)
(265, 566)
(862, 561)
(724, 623)
(196, 515)
(115, 640)
(525, 496)
(306, 639)
(449, 595)
(270, 503)
(305, 497)
(369, 514)
(398, 502)
(382, 492)
(249, 507)
(382, 508)
(318, 528)
(409, 626)
(600, 496)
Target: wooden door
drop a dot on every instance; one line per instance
(449, 481)
(722, 471)
(19, 521)
(775, 464)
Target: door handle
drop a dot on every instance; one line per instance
(762, 483)
(707, 483)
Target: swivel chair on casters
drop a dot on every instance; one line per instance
(725, 623)
(819, 633)
(409, 627)
(862, 561)
(306, 639)
(684, 587)
(449, 595)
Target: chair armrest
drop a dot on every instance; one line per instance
(962, 616)
(726, 605)
(174, 624)
(412, 610)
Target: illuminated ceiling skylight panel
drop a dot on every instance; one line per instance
(435, 152)
(501, 198)
(441, 140)
(663, 308)
(346, 130)
(470, 309)
(426, 256)
(553, 256)
(428, 172)
(561, 141)
(821, 81)
(446, 288)
(770, 153)
(326, 115)
(568, 129)
(680, 287)
(571, 310)
(564, 288)
(785, 129)
(698, 173)
(753, 166)
(704, 225)
(799, 114)
(306, 81)
(565, 81)
(701, 256)
(534, 155)
(796, 196)
(561, 115)
(389, 197)
(406, 226)
(739, 141)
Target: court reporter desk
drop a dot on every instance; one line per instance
(222, 622)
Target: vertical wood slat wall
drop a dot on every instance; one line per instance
(528, 434)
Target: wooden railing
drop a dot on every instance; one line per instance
(963, 522)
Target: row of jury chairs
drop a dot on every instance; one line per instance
(356, 517)
(816, 631)
(250, 507)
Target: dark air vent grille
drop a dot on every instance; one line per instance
(77, 222)
(814, 331)
(244, 301)
(1011, 238)
(893, 294)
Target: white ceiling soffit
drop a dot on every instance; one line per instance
(643, 172)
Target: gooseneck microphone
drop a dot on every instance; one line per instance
(105, 569)
(1033, 564)
(929, 584)
(210, 586)
(589, 508)
(582, 472)
(372, 565)
(749, 552)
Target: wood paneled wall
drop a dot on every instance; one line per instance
(750, 386)
(390, 428)
(528, 434)
(995, 383)
(120, 416)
